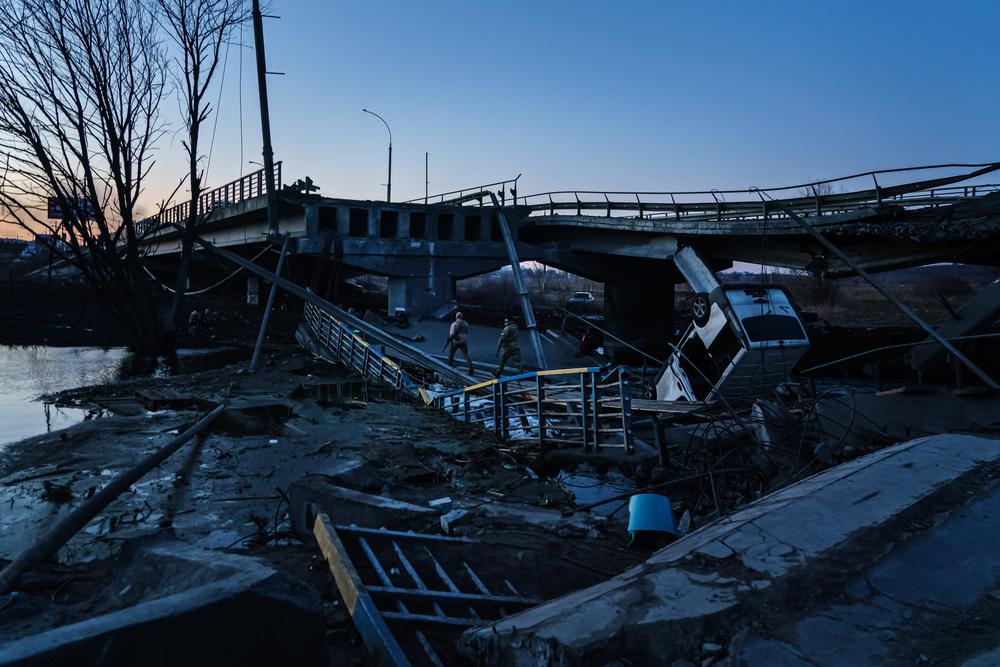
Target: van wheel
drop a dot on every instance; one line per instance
(701, 308)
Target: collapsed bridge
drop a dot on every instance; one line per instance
(620, 239)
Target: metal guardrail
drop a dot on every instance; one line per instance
(588, 407)
(477, 193)
(351, 351)
(431, 593)
(812, 198)
(249, 186)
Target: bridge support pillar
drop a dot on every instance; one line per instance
(640, 308)
(420, 295)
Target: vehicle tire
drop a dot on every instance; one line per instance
(701, 309)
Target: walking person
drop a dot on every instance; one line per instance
(507, 343)
(458, 337)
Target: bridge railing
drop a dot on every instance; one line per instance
(816, 198)
(587, 407)
(252, 185)
(590, 407)
(504, 189)
(351, 351)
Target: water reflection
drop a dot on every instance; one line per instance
(29, 372)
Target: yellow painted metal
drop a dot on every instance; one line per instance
(565, 371)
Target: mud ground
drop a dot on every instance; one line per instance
(227, 490)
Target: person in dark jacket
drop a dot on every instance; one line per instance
(508, 348)
(458, 337)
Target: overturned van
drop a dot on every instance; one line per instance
(743, 341)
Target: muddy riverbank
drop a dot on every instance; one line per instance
(228, 490)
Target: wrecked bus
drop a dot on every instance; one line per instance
(743, 341)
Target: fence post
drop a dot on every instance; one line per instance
(596, 411)
(340, 342)
(583, 411)
(466, 397)
(496, 422)
(539, 399)
(502, 430)
(626, 395)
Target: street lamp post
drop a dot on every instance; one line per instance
(388, 185)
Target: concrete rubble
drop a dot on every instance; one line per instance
(890, 553)
(873, 552)
(174, 603)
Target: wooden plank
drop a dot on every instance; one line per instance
(379, 641)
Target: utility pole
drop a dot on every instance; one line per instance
(265, 122)
(515, 265)
(426, 182)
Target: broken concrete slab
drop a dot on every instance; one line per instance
(861, 419)
(501, 516)
(173, 603)
(936, 584)
(976, 315)
(451, 518)
(714, 584)
(318, 494)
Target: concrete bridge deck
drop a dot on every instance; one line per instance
(424, 248)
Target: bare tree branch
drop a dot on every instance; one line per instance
(198, 29)
(81, 83)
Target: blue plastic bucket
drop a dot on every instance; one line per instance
(650, 513)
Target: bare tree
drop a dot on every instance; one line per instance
(819, 189)
(80, 86)
(198, 28)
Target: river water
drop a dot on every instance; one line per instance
(28, 372)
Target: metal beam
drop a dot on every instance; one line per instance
(407, 617)
(529, 315)
(404, 350)
(267, 308)
(890, 296)
(976, 315)
(374, 632)
(265, 121)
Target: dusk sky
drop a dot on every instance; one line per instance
(597, 95)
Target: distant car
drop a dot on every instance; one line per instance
(580, 301)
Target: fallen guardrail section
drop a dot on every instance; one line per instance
(343, 346)
(588, 407)
(432, 601)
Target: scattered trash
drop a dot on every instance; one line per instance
(711, 648)
(438, 502)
